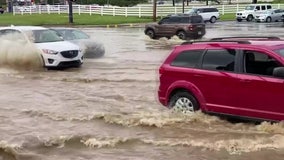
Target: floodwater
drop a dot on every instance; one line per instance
(108, 108)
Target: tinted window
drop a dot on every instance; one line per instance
(280, 51)
(210, 10)
(223, 59)
(175, 19)
(263, 8)
(165, 20)
(257, 7)
(196, 19)
(189, 58)
(269, 7)
(259, 63)
(184, 20)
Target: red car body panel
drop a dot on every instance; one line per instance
(232, 93)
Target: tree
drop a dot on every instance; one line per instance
(254, 1)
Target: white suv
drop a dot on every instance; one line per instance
(210, 14)
(55, 52)
(249, 12)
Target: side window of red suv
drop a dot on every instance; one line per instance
(259, 63)
(219, 59)
(190, 58)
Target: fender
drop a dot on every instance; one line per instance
(182, 84)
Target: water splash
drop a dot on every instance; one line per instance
(19, 54)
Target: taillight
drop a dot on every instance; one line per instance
(161, 70)
(191, 27)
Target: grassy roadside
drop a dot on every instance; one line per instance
(83, 19)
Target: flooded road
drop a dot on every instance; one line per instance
(108, 108)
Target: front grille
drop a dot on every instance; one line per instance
(70, 54)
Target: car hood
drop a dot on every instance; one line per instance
(58, 46)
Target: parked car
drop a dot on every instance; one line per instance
(209, 14)
(239, 76)
(272, 15)
(249, 12)
(90, 47)
(184, 26)
(54, 50)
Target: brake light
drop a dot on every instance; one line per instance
(191, 27)
(161, 70)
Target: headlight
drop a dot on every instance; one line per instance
(48, 51)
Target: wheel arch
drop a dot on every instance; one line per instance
(188, 87)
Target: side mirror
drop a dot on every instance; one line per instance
(278, 72)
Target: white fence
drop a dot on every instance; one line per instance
(139, 11)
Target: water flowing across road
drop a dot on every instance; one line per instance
(108, 108)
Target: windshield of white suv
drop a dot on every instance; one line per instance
(192, 11)
(43, 36)
(249, 8)
(280, 51)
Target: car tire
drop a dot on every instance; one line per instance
(213, 19)
(239, 20)
(268, 19)
(184, 102)
(249, 18)
(181, 35)
(150, 33)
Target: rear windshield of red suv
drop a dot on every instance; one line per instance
(280, 51)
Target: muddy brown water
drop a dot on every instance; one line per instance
(108, 108)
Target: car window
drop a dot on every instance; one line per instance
(221, 59)
(263, 8)
(280, 51)
(249, 8)
(45, 35)
(257, 8)
(11, 34)
(189, 58)
(165, 20)
(196, 19)
(269, 7)
(80, 34)
(259, 63)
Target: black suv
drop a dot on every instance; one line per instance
(185, 26)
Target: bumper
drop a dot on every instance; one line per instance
(260, 20)
(162, 98)
(59, 61)
(241, 17)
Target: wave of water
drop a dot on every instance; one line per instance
(20, 55)
(232, 146)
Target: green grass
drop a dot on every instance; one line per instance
(83, 19)
(62, 19)
(228, 16)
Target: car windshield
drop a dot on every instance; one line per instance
(193, 10)
(249, 8)
(280, 51)
(69, 34)
(43, 36)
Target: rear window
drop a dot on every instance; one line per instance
(280, 51)
(196, 19)
(189, 58)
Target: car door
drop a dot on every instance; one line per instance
(259, 92)
(216, 79)
(166, 27)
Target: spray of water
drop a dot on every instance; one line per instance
(18, 53)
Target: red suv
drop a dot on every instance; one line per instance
(238, 76)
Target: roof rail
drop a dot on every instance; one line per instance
(246, 37)
(221, 41)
